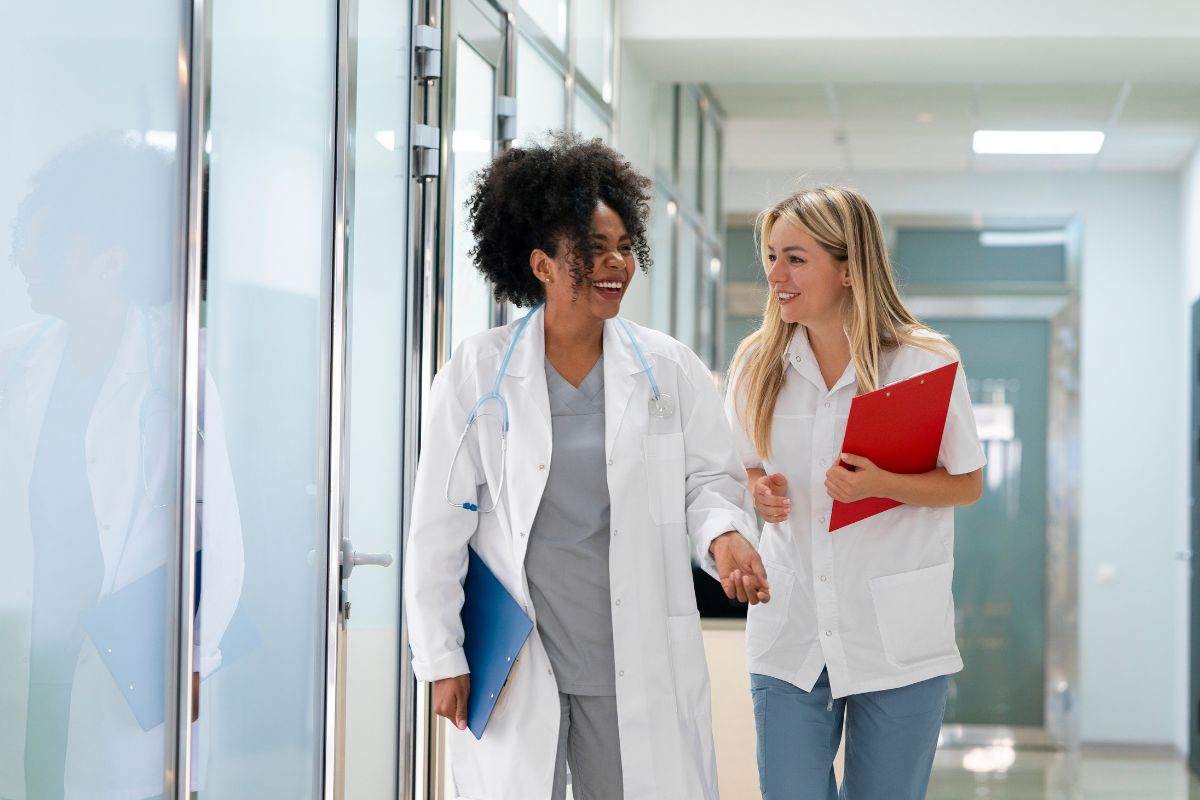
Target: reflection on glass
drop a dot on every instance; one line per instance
(689, 148)
(551, 17)
(88, 450)
(593, 33)
(662, 243)
(89, 428)
(268, 259)
(474, 120)
(541, 95)
(687, 287)
(589, 120)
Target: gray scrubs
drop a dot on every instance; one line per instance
(567, 567)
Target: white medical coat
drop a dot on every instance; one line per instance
(674, 485)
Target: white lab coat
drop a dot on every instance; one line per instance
(109, 756)
(674, 485)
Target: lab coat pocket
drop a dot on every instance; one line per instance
(664, 458)
(915, 611)
(688, 663)
(765, 622)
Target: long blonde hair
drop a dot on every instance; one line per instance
(876, 321)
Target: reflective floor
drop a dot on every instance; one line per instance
(1096, 774)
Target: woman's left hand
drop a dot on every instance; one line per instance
(866, 480)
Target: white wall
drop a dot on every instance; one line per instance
(1133, 658)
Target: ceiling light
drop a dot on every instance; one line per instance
(1038, 143)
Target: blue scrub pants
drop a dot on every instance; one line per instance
(891, 737)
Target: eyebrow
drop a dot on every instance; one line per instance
(601, 237)
(789, 248)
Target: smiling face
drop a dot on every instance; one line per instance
(612, 267)
(810, 285)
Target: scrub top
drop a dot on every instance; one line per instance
(567, 559)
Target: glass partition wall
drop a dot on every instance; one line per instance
(687, 295)
(237, 258)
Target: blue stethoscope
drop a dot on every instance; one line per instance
(660, 405)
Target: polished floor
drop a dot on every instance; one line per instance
(1095, 774)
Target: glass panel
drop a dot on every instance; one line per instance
(89, 363)
(375, 404)
(541, 95)
(664, 129)
(551, 17)
(687, 287)
(993, 256)
(689, 148)
(593, 29)
(475, 116)
(589, 120)
(662, 249)
(263, 579)
(712, 176)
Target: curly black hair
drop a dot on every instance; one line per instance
(542, 197)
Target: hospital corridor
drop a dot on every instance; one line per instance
(599, 399)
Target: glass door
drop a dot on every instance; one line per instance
(477, 55)
(369, 686)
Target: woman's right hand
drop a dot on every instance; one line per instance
(450, 699)
(770, 497)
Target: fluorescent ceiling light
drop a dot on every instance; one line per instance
(1022, 238)
(1039, 143)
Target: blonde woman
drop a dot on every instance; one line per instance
(860, 633)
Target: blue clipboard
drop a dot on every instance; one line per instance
(495, 628)
(129, 630)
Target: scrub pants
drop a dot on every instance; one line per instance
(891, 737)
(588, 738)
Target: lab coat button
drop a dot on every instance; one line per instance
(822, 579)
(522, 534)
(618, 602)
(541, 466)
(829, 633)
(610, 462)
(827, 405)
(821, 519)
(621, 673)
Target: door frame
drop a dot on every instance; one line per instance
(1059, 307)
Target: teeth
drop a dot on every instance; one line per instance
(786, 296)
(608, 284)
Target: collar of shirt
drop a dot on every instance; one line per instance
(799, 354)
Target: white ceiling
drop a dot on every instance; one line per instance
(927, 127)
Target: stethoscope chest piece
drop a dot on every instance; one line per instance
(662, 407)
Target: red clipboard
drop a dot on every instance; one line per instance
(899, 429)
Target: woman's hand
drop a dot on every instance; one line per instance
(770, 497)
(743, 576)
(867, 480)
(450, 699)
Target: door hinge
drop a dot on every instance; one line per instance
(506, 118)
(427, 52)
(426, 147)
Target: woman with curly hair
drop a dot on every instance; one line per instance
(620, 469)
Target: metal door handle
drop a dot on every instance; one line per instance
(352, 559)
(372, 559)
